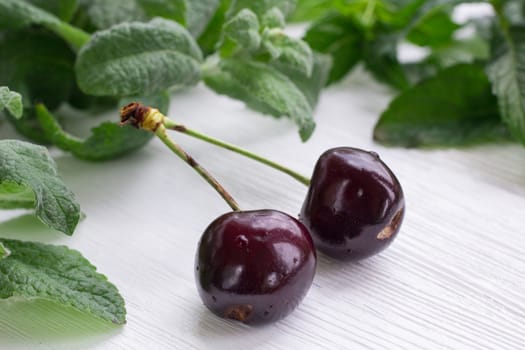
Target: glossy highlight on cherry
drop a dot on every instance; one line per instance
(254, 266)
(355, 204)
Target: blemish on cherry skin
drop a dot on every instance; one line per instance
(354, 206)
(253, 261)
(240, 313)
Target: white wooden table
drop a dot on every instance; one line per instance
(453, 279)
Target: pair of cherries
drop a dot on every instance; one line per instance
(256, 266)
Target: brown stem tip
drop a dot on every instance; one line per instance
(133, 114)
(141, 117)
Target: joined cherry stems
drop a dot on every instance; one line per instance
(151, 119)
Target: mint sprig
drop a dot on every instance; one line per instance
(122, 49)
(434, 107)
(28, 172)
(30, 270)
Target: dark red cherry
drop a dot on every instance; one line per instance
(254, 266)
(354, 206)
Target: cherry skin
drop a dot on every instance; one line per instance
(354, 206)
(254, 266)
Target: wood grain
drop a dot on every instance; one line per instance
(454, 278)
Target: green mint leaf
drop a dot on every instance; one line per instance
(212, 33)
(138, 58)
(60, 275)
(311, 86)
(104, 14)
(289, 52)
(507, 74)
(195, 15)
(403, 14)
(63, 9)
(38, 65)
(261, 7)
(31, 166)
(199, 14)
(273, 18)
(12, 101)
(264, 89)
(169, 9)
(341, 38)
(461, 51)
(17, 14)
(243, 30)
(4, 252)
(15, 196)
(107, 141)
(434, 29)
(454, 108)
(311, 10)
(380, 59)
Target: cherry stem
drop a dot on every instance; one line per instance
(175, 148)
(172, 125)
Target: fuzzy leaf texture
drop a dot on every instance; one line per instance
(288, 52)
(243, 30)
(31, 167)
(264, 89)
(11, 101)
(199, 14)
(261, 7)
(507, 74)
(105, 14)
(312, 85)
(60, 275)
(454, 108)
(194, 15)
(138, 58)
(273, 18)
